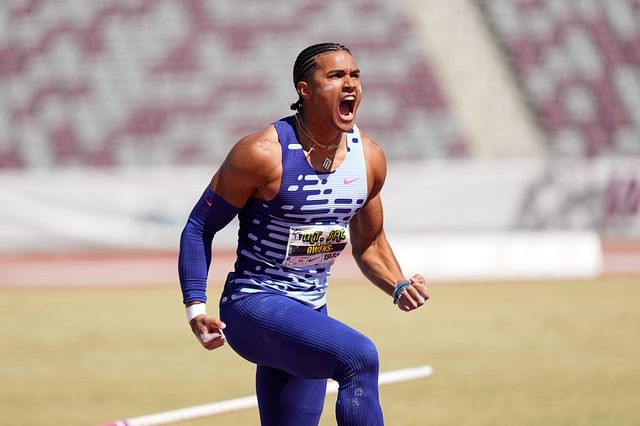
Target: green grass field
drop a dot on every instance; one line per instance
(562, 353)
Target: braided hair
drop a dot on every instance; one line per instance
(306, 64)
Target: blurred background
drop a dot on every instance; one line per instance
(512, 133)
(511, 127)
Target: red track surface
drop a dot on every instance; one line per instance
(160, 268)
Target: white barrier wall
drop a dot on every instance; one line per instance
(472, 218)
(500, 255)
(502, 195)
(142, 208)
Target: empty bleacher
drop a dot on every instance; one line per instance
(116, 83)
(577, 64)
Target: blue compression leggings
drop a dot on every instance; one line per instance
(296, 349)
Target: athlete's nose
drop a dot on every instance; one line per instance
(349, 83)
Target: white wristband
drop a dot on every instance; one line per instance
(194, 310)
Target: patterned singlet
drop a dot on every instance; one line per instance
(288, 244)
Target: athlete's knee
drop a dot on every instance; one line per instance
(361, 359)
(369, 356)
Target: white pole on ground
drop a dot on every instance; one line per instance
(237, 404)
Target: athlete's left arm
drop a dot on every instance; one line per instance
(371, 250)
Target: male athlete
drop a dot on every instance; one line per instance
(302, 187)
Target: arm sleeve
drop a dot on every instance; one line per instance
(210, 214)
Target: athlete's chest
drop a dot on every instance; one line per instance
(310, 197)
(336, 195)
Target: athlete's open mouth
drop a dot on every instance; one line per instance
(347, 106)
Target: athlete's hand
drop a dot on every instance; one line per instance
(208, 331)
(414, 295)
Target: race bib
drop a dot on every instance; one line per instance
(315, 244)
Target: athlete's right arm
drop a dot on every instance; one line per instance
(250, 170)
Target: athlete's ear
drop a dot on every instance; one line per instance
(303, 89)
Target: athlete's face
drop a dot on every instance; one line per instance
(335, 88)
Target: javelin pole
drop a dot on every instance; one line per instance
(237, 404)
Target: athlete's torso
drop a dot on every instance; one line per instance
(288, 244)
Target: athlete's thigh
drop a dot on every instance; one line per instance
(279, 332)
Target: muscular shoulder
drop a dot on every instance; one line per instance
(376, 164)
(252, 168)
(256, 154)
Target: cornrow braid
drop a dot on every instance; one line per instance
(306, 63)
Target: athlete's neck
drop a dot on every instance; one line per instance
(315, 142)
(327, 151)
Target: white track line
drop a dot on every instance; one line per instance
(243, 403)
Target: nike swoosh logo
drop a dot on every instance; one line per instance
(350, 181)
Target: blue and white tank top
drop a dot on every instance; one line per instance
(288, 244)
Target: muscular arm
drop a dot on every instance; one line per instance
(371, 250)
(251, 169)
(248, 171)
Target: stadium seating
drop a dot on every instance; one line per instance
(576, 62)
(116, 83)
